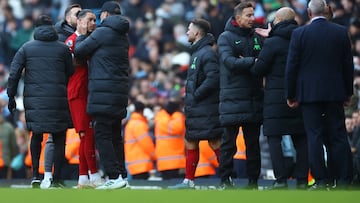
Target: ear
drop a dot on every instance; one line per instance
(309, 12)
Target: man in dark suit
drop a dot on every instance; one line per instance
(319, 77)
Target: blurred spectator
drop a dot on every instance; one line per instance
(23, 35)
(19, 170)
(206, 168)
(139, 146)
(8, 147)
(170, 145)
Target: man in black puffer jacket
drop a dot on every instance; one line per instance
(67, 27)
(241, 94)
(48, 66)
(108, 87)
(279, 119)
(201, 99)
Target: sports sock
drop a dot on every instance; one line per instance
(192, 159)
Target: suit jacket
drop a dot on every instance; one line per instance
(319, 65)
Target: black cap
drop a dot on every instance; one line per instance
(43, 20)
(112, 7)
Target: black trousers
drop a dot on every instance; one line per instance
(325, 125)
(59, 153)
(110, 144)
(284, 167)
(228, 149)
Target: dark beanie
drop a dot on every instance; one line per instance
(43, 20)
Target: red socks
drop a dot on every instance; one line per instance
(192, 159)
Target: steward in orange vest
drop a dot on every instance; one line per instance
(139, 147)
(207, 161)
(170, 144)
(240, 156)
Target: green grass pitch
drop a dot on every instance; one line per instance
(9, 195)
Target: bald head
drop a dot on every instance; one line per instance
(317, 8)
(284, 13)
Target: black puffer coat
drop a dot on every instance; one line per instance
(64, 30)
(48, 65)
(202, 92)
(241, 93)
(279, 119)
(108, 49)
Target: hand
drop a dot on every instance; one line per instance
(263, 32)
(292, 103)
(12, 105)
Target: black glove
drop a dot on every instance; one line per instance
(12, 105)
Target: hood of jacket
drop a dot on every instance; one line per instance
(64, 28)
(232, 26)
(208, 39)
(45, 33)
(117, 23)
(284, 29)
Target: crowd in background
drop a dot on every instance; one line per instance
(159, 52)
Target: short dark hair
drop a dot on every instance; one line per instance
(71, 6)
(203, 25)
(139, 106)
(43, 20)
(83, 12)
(241, 6)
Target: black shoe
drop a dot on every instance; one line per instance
(226, 185)
(35, 182)
(278, 185)
(252, 185)
(57, 184)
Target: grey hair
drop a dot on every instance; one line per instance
(317, 7)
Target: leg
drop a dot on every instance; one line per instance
(192, 158)
(277, 158)
(253, 161)
(118, 145)
(215, 146)
(49, 157)
(338, 147)
(227, 151)
(59, 154)
(104, 143)
(35, 150)
(302, 163)
(313, 114)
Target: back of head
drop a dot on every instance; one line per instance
(43, 20)
(112, 7)
(203, 25)
(285, 13)
(139, 106)
(317, 7)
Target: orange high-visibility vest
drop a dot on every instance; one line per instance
(170, 140)
(240, 145)
(207, 160)
(28, 161)
(2, 164)
(139, 147)
(72, 146)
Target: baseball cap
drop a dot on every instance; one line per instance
(112, 7)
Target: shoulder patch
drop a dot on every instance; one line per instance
(69, 43)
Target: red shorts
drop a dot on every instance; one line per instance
(80, 118)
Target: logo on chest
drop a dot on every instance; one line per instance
(193, 64)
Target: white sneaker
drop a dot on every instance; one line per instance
(45, 184)
(112, 184)
(98, 182)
